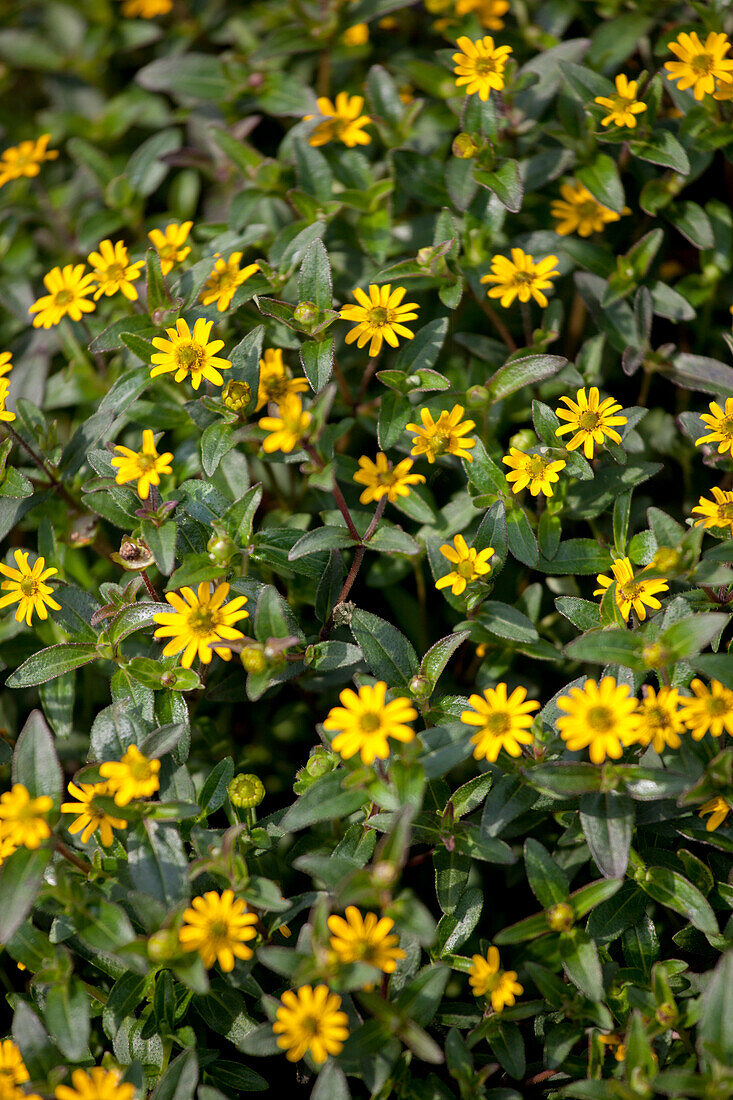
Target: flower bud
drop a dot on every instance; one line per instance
(384, 873)
(163, 946)
(306, 313)
(464, 147)
(253, 658)
(666, 1014)
(477, 397)
(666, 560)
(560, 917)
(133, 554)
(420, 687)
(220, 549)
(424, 256)
(236, 395)
(168, 679)
(319, 763)
(246, 791)
(655, 655)
(523, 439)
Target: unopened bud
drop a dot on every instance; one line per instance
(236, 395)
(220, 549)
(464, 147)
(163, 946)
(666, 560)
(420, 687)
(318, 764)
(168, 679)
(560, 917)
(384, 873)
(424, 256)
(246, 791)
(306, 313)
(666, 1014)
(655, 655)
(477, 397)
(253, 659)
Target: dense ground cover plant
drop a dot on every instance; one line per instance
(367, 502)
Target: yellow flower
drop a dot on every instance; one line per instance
(470, 564)
(591, 420)
(632, 593)
(113, 270)
(358, 35)
(480, 65)
(488, 979)
(503, 720)
(720, 422)
(67, 288)
(615, 1044)
(379, 316)
(723, 92)
(717, 512)
(601, 717)
(170, 244)
(222, 283)
(533, 470)
(27, 587)
(7, 847)
(145, 466)
(91, 817)
(343, 121)
(442, 436)
(218, 927)
(275, 380)
(96, 1084)
(489, 12)
(660, 722)
(134, 776)
(711, 711)
(200, 621)
(289, 428)
(25, 159)
(382, 479)
(189, 353)
(718, 809)
(12, 1067)
(22, 818)
(700, 64)
(309, 1020)
(366, 939)
(520, 277)
(6, 363)
(623, 106)
(6, 416)
(363, 722)
(577, 211)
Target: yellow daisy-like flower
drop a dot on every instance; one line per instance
(623, 106)
(488, 12)
(13, 1071)
(358, 35)
(487, 979)
(660, 722)
(113, 270)
(289, 428)
(96, 1084)
(275, 381)
(144, 466)
(22, 818)
(718, 809)
(25, 159)
(309, 1021)
(632, 593)
(717, 512)
(218, 926)
(699, 64)
(480, 65)
(381, 478)
(91, 817)
(723, 91)
(221, 285)
(503, 720)
(134, 776)
(533, 470)
(578, 212)
(199, 621)
(171, 244)
(366, 939)
(591, 419)
(364, 722)
(342, 121)
(710, 711)
(469, 563)
(189, 353)
(601, 717)
(6, 415)
(614, 1043)
(6, 363)
(68, 289)
(720, 423)
(26, 586)
(379, 316)
(520, 277)
(442, 436)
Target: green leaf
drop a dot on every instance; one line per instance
(518, 373)
(607, 645)
(39, 1055)
(21, 877)
(506, 184)
(316, 357)
(715, 1030)
(690, 635)
(322, 538)
(132, 618)
(547, 881)
(507, 1044)
(66, 1015)
(663, 149)
(324, 801)
(673, 890)
(189, 76)
(603, 181)
(564, 780)
(421, 353)
(161, 542)
(420, 999)
(607, 820)
(437, 657)
(521, 537)
(581, 963)
(216, 441)
(179, 1080)
(455, 928)
(159, 296)
(386, 650)
(214, 791)
(274, 618)
(698, 372)
(158, 863)
(507, 622)
(577, 556)
(49, 663)
(508, 799)
(35, 763)
(314, 281)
